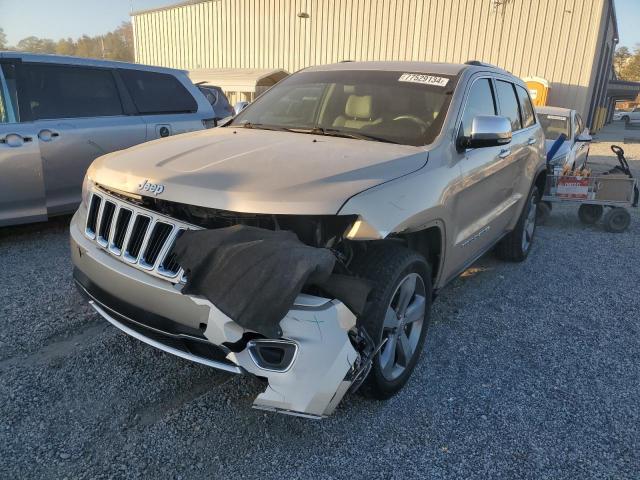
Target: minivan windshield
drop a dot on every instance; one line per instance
(554, 125)
(384, 106)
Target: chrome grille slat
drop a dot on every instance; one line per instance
(165, 247)
(166, 265)
(145, 241)
(152, 242)
(138, 235)
(92, 216)
(120, 231)
(114, 220)
(106, 222)
(127, 236)
(99, 217)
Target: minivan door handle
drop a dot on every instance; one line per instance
(504, 153)
(47, 135)
(531, 141)
(14, 140)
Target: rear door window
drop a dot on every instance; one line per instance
(508, 103)
(479, 102)
(528, 116)
(156, 93)
(56, 91)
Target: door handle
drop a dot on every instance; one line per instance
(14, 140)
(47, 135)
(504, 153)
(531, 141)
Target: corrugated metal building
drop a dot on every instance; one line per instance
(568, 42)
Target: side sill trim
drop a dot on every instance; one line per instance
(160, 346)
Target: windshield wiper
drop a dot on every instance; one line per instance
(329, 132)
(334, 132)
(262, 126)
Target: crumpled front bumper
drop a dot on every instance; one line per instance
(154, 311)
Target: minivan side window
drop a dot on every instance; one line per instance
(9, 93)
(479, 102)
(528, 116)
(508, 103)
(57, 91)
(154, 93)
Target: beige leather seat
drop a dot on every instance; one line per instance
(357, 113)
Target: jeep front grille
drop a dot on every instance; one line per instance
(137, 236)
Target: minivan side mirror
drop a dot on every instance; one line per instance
(239, 106)
(584, 137)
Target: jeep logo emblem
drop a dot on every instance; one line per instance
(155, 188)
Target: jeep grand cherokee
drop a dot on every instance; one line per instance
(405, 172)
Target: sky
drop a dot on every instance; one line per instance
(57, 19)
(72, 18)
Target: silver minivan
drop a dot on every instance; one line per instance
(58, 114)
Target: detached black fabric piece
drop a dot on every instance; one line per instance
(252, 275)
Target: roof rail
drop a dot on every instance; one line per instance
(478, 63)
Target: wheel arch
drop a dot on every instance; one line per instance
(428, 242)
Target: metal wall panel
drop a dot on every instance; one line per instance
(554, 39)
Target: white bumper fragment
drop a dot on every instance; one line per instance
(316, 381)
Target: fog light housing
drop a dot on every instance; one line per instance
(273, 355)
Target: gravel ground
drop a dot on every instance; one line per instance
(530, 371)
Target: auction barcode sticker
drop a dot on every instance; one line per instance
(424, 79)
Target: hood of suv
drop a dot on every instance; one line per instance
(256, 171)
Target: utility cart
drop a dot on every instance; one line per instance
(615, 190)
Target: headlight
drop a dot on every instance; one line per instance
(87, 185)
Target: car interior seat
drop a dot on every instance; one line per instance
(358, 113)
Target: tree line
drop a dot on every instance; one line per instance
(626, 63)
(115, 45)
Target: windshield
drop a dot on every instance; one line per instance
(554, 125)
(393, 107)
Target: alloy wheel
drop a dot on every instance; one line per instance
(403, 324)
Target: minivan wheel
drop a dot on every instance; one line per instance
(397, 314)
(515, 246)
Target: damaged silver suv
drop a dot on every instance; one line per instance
(304, 241)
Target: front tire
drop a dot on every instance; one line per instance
(397, 313)
(515, 246)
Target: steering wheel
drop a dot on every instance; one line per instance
(420, 122)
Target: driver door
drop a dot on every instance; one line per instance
(22, 192)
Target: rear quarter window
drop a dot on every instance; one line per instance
(157, 93)
(526, 109)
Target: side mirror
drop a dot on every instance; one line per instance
(238, 107)
(488, 131)
(584, 137)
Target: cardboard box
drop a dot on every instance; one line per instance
(614, 188)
